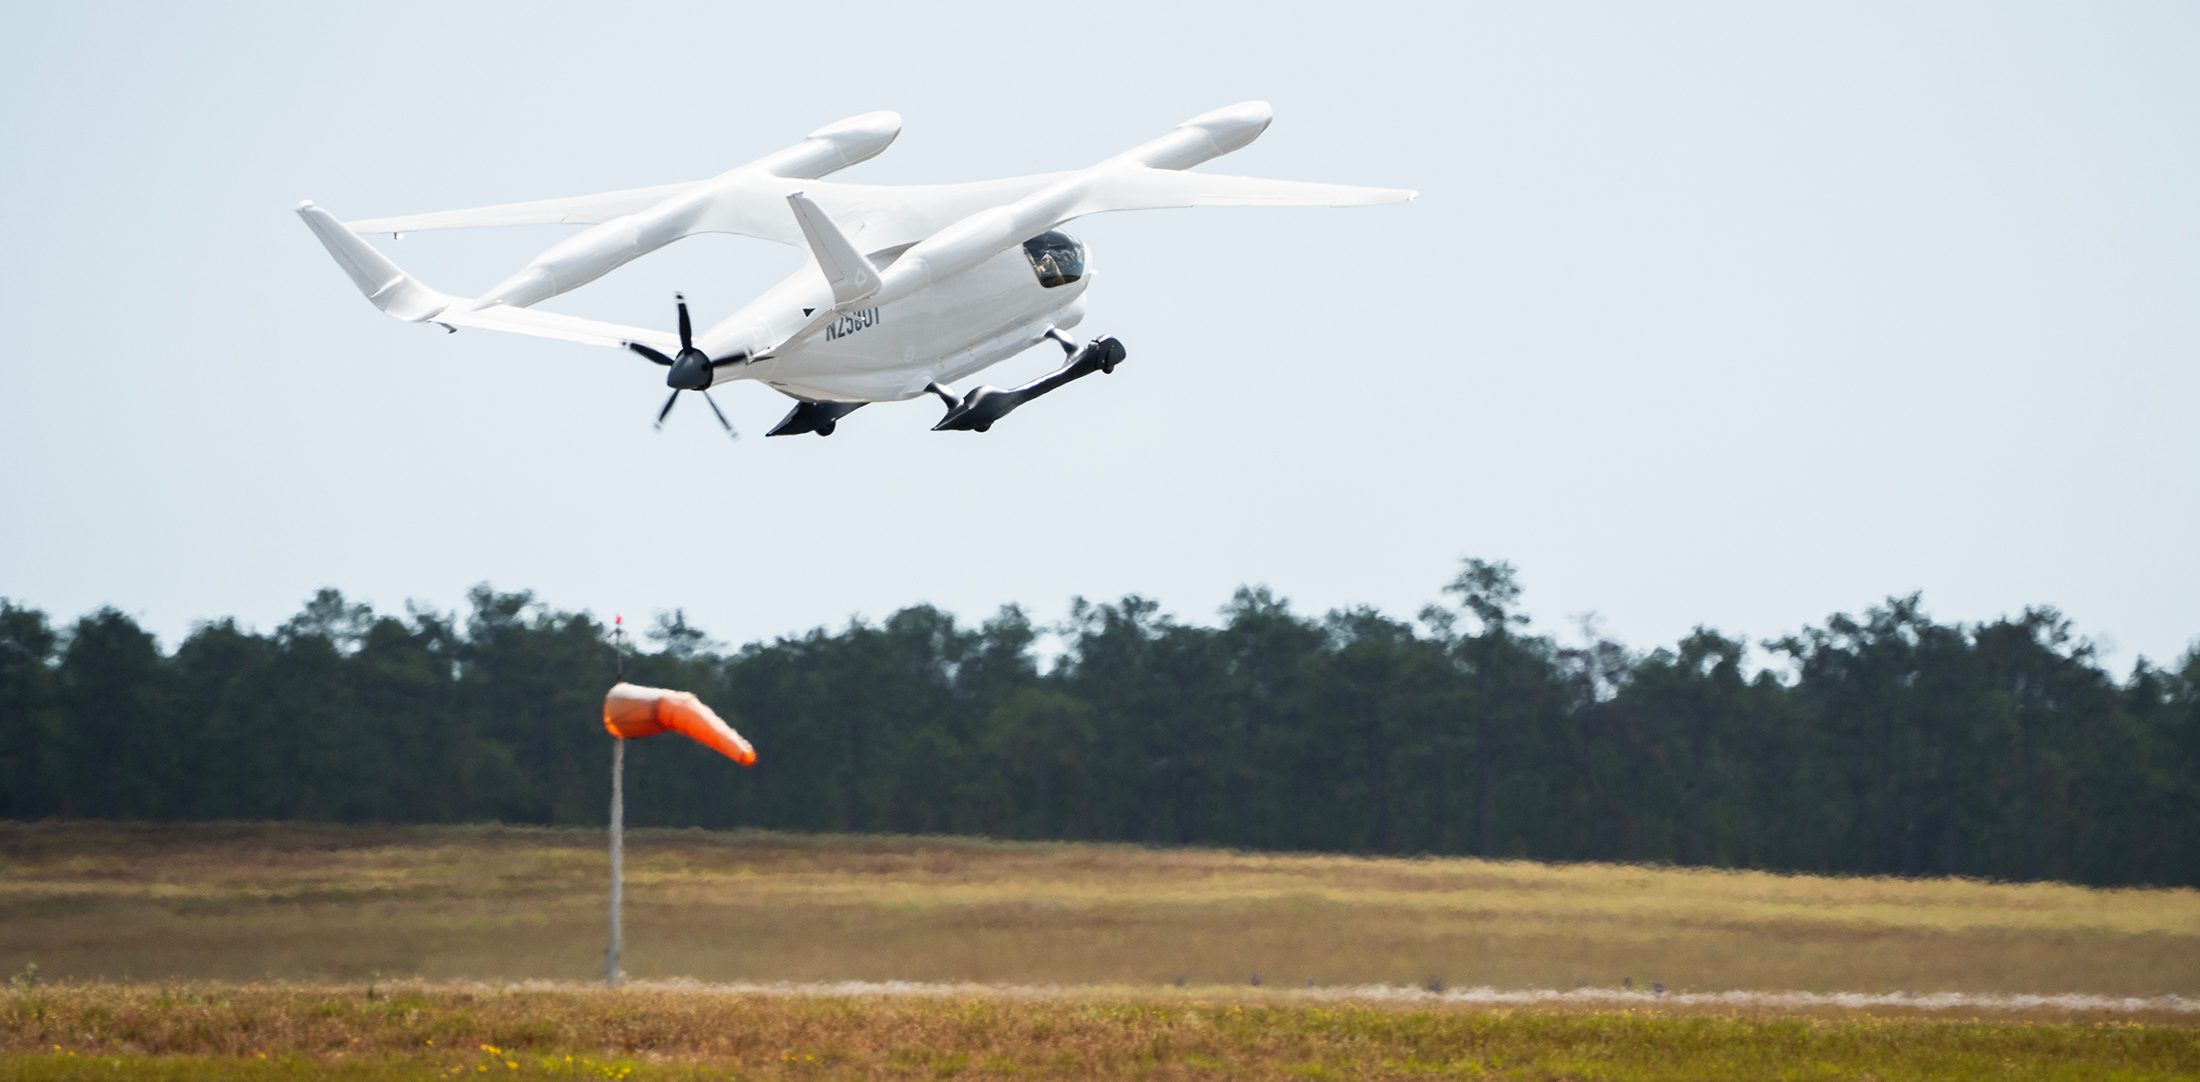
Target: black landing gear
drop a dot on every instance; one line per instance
(976, 411)
(818, 417)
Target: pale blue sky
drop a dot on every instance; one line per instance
(1725, 314)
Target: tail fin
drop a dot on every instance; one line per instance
(391, 290)
(853, 277)
(403, 296)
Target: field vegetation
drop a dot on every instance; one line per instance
(252, 902)
(414, 1031)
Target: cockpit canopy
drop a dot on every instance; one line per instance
(1057, 258)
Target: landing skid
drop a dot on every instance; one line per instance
(818, 417)
(976, 411)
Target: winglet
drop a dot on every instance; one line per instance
(853, 278)
(391, 290)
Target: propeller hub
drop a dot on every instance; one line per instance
(690, 371)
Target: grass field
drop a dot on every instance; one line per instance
(250, 902)
(424, 1032)
(295, 951)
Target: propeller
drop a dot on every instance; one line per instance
(691, 369)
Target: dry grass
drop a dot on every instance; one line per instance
(254, 901)
(419, 1031)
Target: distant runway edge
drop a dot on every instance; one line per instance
(1407, 994)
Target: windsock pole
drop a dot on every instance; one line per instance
(618, 831)
(631, 713)
(618, 817)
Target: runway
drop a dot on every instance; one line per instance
(1396, 995)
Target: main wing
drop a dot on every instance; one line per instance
(1161, 189)
(835, 146)
(572, 210)
(877, 217)
(874, 216)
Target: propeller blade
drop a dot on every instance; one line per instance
(687, 333)
(667, 411)
(654, 356)
(721, 415)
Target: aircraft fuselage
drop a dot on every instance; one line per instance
(890, 352)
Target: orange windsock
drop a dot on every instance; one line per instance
(631, 712)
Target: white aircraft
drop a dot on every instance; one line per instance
(908, 289)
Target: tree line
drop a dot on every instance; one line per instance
(1885, 743)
